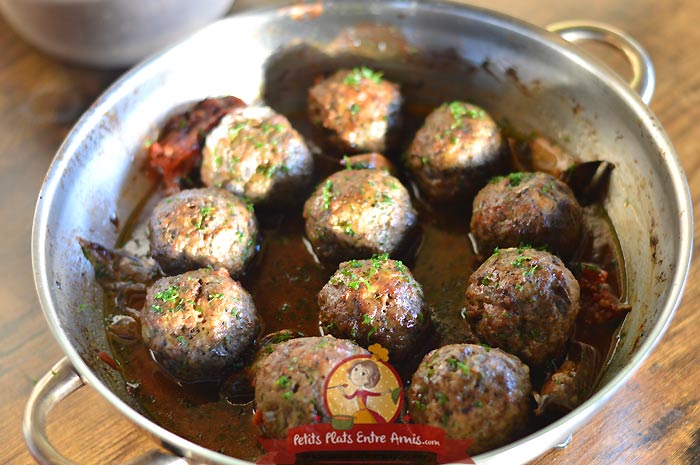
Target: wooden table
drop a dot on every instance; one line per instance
(654, 418)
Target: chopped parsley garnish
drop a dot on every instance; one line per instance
(170, 294)
(354, 108)
(460, 109)
(529, 273)
(216, 296)
(204, 213)
(442, 398)
(371, 332)
(357, 74)
(283, 382)
(515, 178)
(267, 170)
(233, 132)
(463, 367)
(386, 199)
(520, 260)
(419, 404)
(182, 341)
(327, 194)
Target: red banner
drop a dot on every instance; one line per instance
(387, 437)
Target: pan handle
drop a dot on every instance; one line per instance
(61, 381)
(643, 75)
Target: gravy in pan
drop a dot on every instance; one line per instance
(284, 280)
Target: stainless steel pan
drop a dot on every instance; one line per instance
(531, 76)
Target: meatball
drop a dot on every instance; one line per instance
(454, 153)
(198, 324)
(524, 301)
(255, 152)
(179, 146)
(375, 301)
(197, 228)
(358, 213)
(472, 392)
(527, 208)
(356, 110)
(289, 385)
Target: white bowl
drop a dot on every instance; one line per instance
(108, 33)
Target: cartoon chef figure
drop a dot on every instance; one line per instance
(364, 375)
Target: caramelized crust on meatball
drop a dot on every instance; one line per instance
(524, 301)
(454, 153)
(196, 228)
(473, 392)
(256, 153)
(198, 324)
(527, 208)
(358, 213)
(356, 111)
(375, 301)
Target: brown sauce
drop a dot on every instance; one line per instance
(284, 280)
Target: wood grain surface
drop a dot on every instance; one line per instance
(653, 419)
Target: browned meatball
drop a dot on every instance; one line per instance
(455, 152)
(527, 208)
(524, 301)
(289, 385)
(472, 392)
(375, 301)
(358, 213)
(198, 324)
(357, 110)
(256, 153)
(197, 228)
